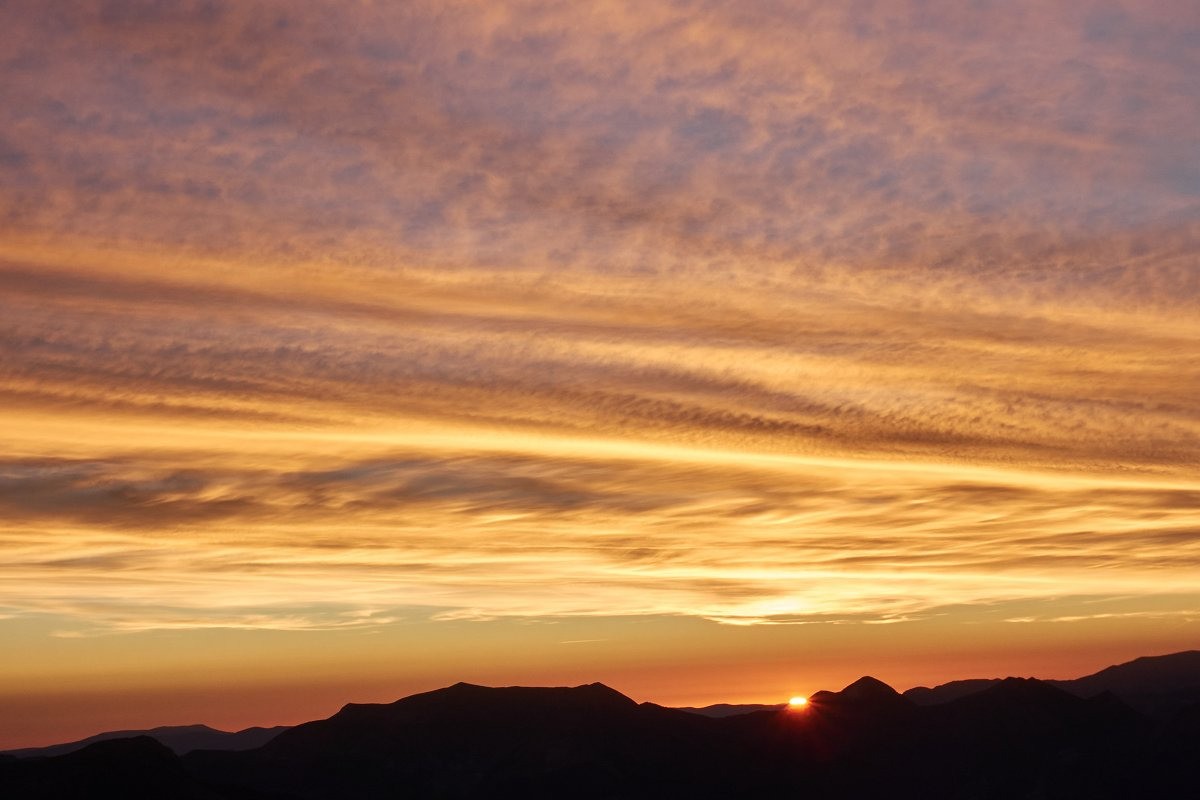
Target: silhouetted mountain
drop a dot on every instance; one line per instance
(1026, 738)
(1155, 685)
(944, 693)
(860, 716)
(472, 741)
(722, 710)
(868, 693)
(1017, 738)
(130, 769)
(1169, 672)
(179, 738)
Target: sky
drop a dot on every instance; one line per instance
(719, 352)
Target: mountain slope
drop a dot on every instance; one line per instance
(722, 710)
(472, 741)
(180, 739)
(129, 769)
(1155, 685)
(945, 692)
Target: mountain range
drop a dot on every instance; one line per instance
(180, 739)
(722, 710)
(1155, 685)
(1006, 738)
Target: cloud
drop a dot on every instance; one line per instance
(670, 138)
(755, 312)
(479, 535)
(97, 493)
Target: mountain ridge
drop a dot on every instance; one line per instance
(1155, 685)
(180, 739)
(1174, 678)
(1015, 738)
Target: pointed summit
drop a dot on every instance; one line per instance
(866, 696)
(867, 689)
(601, 693)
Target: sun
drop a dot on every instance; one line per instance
(798, 702)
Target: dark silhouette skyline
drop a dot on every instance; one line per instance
(1002, 739)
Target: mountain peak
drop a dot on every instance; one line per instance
(1013, 692)
(463, 686)
(471, 699)
(867, 695)
(867, 688)
(602, 690)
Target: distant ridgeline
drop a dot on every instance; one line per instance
(1131, 731)
(180, 739)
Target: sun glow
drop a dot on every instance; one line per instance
(797, 702)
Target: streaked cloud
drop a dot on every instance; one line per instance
(476, 535)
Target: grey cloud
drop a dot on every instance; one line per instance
(576, 165)
(109, 494)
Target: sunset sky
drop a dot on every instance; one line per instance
(717, 351)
